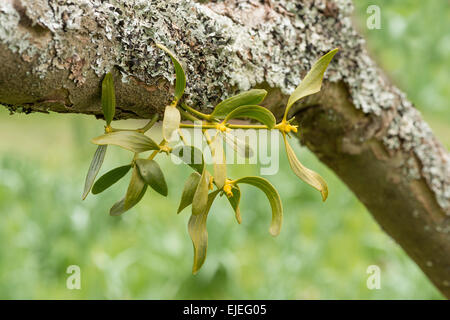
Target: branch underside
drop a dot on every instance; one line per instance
(53, 55)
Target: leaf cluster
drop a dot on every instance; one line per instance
(202, 187)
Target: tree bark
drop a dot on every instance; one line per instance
(53, 55)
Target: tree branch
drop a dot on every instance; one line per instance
(53, 55)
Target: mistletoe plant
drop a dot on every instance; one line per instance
(201, 187)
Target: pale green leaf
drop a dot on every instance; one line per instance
(250, 97)
(171, 123)
(108, 98)
(152, 174)
(272, 196)
(188, 191)
(312, 82)
(180, 83)
(254, 112)
(219, 160)
(307, 175)
(234, 201)
(199, 234)
(94, 168)
(135, 188)
(130, 140)
(201, 193)
(110, 178)
(135, 192)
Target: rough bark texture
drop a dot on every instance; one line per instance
(54, 53)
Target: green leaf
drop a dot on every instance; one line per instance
(108, 98)
(180, 83)
(135, 188)
(189, 190)
(220, 165)
(135, 192)
(234, 201)
(191, 156)
(240, 146)
(152, 175)
(94, 168)
(130, 140)
(171, 122)
(118, 208)
(199, 234)
(312, 82)
(254, 112)
(109, 178)
(250, 97)
(307, 175)
(272, 196)
(200, 199)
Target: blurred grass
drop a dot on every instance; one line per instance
(322, 252)
(413, 46)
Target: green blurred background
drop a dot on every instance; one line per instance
(322, 252)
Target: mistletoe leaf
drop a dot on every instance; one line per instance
(200, 199)
(312, 82)
(254, 112)
(234, 201)
(152, 174)
(220, 166)
(110, 178)
(135, 192)
(199, 234)
(250, 97)
(273, 197)
(108, 98)
(188, 191)
(171, 123)
(94, 168)
(130, 140)
(180, 83)
(310, 177)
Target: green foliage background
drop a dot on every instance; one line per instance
(322, 252)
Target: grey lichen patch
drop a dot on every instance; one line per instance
(408, 132)
(9, 29)
(226, 46)
(223, 51)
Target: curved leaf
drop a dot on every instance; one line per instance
(108, 98)
(171, 122)
(188, 191)
(130, 140)
(109, 178)
(234, 201)
(310, 177)
(199, 234)
(190, 155)
(200, 198)
(180, 83)
(220, 166)
(254, 112)
(152, 175)
(135, 192)
(272, 196)
(250, 97)
(94, 168)
(312, 82)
